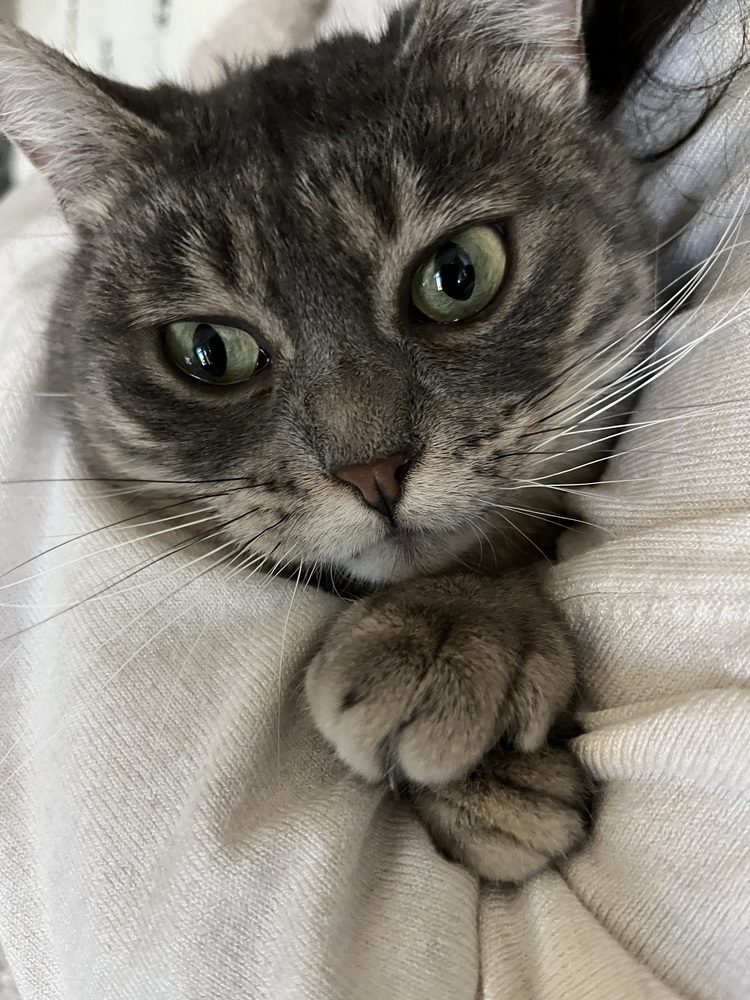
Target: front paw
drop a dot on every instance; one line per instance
(418, 682)
(512, 817)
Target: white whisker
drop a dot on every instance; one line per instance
(109, 548)
(632, 377)
(89, 701)
(279, 692)
(158, 739)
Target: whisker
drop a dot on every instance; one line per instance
(105, 527)
(279, 691)
(532, 483)
(660, 246)
(618, 432)
(480, 533)
(672, 304)
(558, 520)
(143, 486)
(657, 369)
(103, 687)
(145, 564)
(183, 666)
(663, 365)
(125, 627)
(523, 534)
(100, 552)
(148, 482)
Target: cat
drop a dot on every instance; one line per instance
(377, 303)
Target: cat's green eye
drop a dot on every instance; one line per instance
(214, 353)
(461, 277)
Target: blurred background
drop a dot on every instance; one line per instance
(139, 41)
(7, 12)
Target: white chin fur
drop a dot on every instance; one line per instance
(390, 562)
(377, 568)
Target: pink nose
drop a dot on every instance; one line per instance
(379, 482)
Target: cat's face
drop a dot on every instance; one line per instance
(293, 229)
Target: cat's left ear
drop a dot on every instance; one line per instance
(69, 123)
(564, 19)
(473, 35)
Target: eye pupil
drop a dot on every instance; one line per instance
(454, 272)
(214, 353)
(210, 350)
(458, 280)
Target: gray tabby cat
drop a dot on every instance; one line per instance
(365, 300)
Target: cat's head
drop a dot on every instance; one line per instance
(357, 294)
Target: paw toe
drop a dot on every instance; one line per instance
(512, 818)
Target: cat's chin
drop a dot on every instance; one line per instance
(398, 559)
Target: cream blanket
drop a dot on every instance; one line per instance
(174, 829)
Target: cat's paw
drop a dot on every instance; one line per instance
(512, 817)
(418, 682)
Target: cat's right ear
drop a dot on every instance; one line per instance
(472, 37)
(74, 132)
